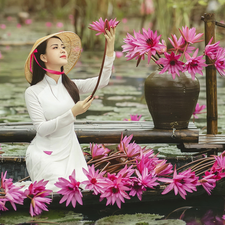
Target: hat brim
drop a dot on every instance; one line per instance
(73, 46)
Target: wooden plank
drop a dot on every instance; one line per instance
(148, 124)
(209, 142)
(106, 132)
(212, 139)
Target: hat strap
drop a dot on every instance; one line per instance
(50, 71)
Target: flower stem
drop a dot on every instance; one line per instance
(104, 168)
(155, 59)
(158, 54)
(185, 49)
(100, 73)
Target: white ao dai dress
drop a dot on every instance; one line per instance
(55, 151)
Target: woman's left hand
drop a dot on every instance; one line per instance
(110, 37)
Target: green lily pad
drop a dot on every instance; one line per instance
(137, 219)
(52, 216)
(14, 149)
(172, 150)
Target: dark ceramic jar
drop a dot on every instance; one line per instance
(171, 102)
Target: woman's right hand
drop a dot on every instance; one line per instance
(82, 106)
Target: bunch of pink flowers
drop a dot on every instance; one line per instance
(147, 172)
(171, 60)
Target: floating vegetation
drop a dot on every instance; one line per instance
(137, 219)
(50, 217)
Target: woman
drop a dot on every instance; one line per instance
(53, 102)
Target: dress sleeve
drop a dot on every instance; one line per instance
(42, 126)
(88, 85)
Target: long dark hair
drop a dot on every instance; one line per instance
(39, 73)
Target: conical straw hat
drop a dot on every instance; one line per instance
(73, 47)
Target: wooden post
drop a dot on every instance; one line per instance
(211, 81)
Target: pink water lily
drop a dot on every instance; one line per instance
(38, 193)
(38, 204)
(5, 181)
(9, 18)
(194, 64)
(179, 45)
(38, 188)
(131, 47)
(140, 183)
(163, 47)
(59, 25)
(147, 7)
(148, 43)
(2, 205)
(119, 54)
(48, 24)
(176, 184)
(124, 20)
(171, 64)
(220, 162)
(115, 192)
(100, 25)
(198, 110)
(132, 150)
(190, 35)
(217, 56)
(96, 181)
(18, 25)
(126, 173)
(3, 26)
(208, 183)
(220, 61)
(70, 189)
(14, 195)
(146, 179)
(163, 168)
(190, 180)
(217, 172)
(10, 192)
(136, 188)
(28, 21)
(124, 142)
(148, 160)
(98, 151)
(212, 49)
(134, 118)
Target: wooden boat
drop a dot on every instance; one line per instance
(101, 132)
(150, 198)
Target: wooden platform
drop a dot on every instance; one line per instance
(188, 140)
(207, 143)
(106, 132)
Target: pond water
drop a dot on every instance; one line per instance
(122, 97)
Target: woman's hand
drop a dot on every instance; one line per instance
(82, 106)
(110, 37)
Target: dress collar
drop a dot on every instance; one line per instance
(52, 81)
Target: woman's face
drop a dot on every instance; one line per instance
(56, 55)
